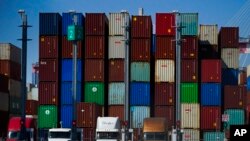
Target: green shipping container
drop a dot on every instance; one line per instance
(189, 22)
(47, 116)
(213, 136)
(94, 92)
(189, 93)
(236, 117)
(140, 71)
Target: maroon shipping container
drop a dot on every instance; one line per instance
(248, 114)
(141, 27)
(89, 134)
(165, 24)
(48, 70)
(189, 70)
(229, 37)
(248, 98)
(210, 118)
(94, 70)
(48, 93)
(4, 84)
(189, 47)
(95, 47)
(165, 47)
(10, 69)
(164, 94)
(87, 114)
(209, 52)
(96, 24)
(67, 48)
(31, 107)
(49, 47)
(242, 77)
(166, 112)
(116, 111)
(235, 97)
(4, 118)
(116, 70)
(140, 49)
(211, 70)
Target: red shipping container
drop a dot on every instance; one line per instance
(116, 111)
(89, 134)
(10, 69)
(140, 49)
(87, 114)
(248, 113)
(211, 70)
(94, 70)
(166, 112)
(31, 107)
(189, 70)
(189, 47)
(165, 24)
(95, 47)
(48, 70)
(210, 118)
(4, 84)
(164, 94)
(141, 27)
(116, 70)
(48, 93)
(49, 47)
(165, 47)
(96, 24)
(229, 37)
(67, 48)
(235, 97)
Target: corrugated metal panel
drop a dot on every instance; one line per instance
(116, 93)
(230, 76)
(89, 134)
(94, 92)
(140, 71)
(67, 48)
(242, 77)
(229, 37)
(164, 94)
(48, 93)
(164, 71)
(67, 19)
(209, 52)
(31, 107)
(189, 47)
(67, 91)
(165, 23)
(211, 94)
(117, 23)
(48, 70)
(50, 24)
(96, 24)
(166, 112)
(47, 116)
(191, 135)
(4, 104)
(213, 136)
(95, 47)
(189, 93)
(190, 22)
(141, 27)
(116, 70)
(138, 113)
(211, 70)
(236, 117)
(49, 46)
(67, 71)
(10, 52)
(4, 83)
(116, 111)
(140, 49)
(230, 57)
(66, 116)
(14, 88)
(10, 69)
(165, 47)
(139, 94)
(190, 116)
(116, 47)
(94, 70)
(235, 96)
(208, 34)
(14, 105)
(210, 118)
(189, 70)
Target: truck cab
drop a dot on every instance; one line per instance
(63, 134)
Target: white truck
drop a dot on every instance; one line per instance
(63, 134)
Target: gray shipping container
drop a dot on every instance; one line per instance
(116, 47)
(117, 23)
(208, 34)
(10, 52)
(230, 58)
(15, 88)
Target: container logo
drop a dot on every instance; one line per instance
(94, 89)
(47, 112)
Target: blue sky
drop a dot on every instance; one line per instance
(210, 12)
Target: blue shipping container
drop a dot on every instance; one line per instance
(138, 113)
(67, 20)
(236, 117)
(50, 24)
(67, 91)
(67, 67)
(139, 94)
(230, 76)
(248, 83)
(210, 94)
(66, 116)
(116, 93)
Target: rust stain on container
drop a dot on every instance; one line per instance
(96, 24)
(140, 49)
(48, 93)
(141, 27)
(49, 46)
(116, 111)
(116, 70)
(235, 97)
(211, 70)
(67, 48)
(94, 70)
(189, 69)
(229, 37)
(166, 112)
(164, 94)
(48, 70)
(95, 47)
(165, 47)
(210, 118)
(189, 48)
(31, 107)
(10, 69)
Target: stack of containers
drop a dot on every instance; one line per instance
(116, 53)
(164, 91)
(49, 70)
(140, 56)
(67, 70)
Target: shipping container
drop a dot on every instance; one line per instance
(10, 69)
(236, 117)
(190, 116)
(139, 94)
(189, 70)
(229, 37)
(190, 22)
(137, 134)
(213, 136)
(116, 111)
(67, 92)
(14, 88)
(47, 116)
(248, 98)
(208, 34)
(165, 47)
(189, 47)
(138, 113)
(96, 24)
(48, 93)
(94, 92)
(89, 134)
(248, 114)
(165, 24)
(48, 70)
(164, 94)
(4, 81)
(211, 94)
(94, 70)
(95, 47)
(211, 70)
(117, 21)
(164, 70)
(230, 57)
(31, 107)
(210, 118)
(4, 104)
(166, 112)
(209, 52)
(4, 118)
(116, 70)
(235, 97)
(141, 27)
(140, 49)
(242, 77)
(248, 70)
(50, 24)
(49, 47)
(66, 116)
(116, 93)
(189, 92)
(33, 95)
(116, 47)
(67, 48)
(67, 70)
(10, 52)
(67, 20)
(230, 76)
(191, 135)
(140, 71)
(14, 105)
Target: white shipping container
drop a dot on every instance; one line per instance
(191, 135)
(248, 70)
(116, 93)
(230, 58)
(190, 116)
(164, 71)
(116, 47)
(117, 22)
(209, 34)
(33, 94)
(138, 113)
(15, 88)
(4, 104)
(10, 52)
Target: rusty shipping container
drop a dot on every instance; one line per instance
(31, 107)
(67, 48)
(96, 24)
(164, 94)
(49, 46)
(165, 24)
(208, 34)
(141, 27)
(116, 70)
(116, 111)
(229, 37)
(140, 49)
(235, 97)
(190, 116)
(230, 57)
(211, 70)
(10, 52)
(166, 112)
(189, 47)
(189, 70)
(10, 69)
(89, 134)
(210, 118)
(4, 81)
(116, 47)
(48, 93)
(95, 47)
(164, 70)
(48, 70)
(94, 70)
(165, 47)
